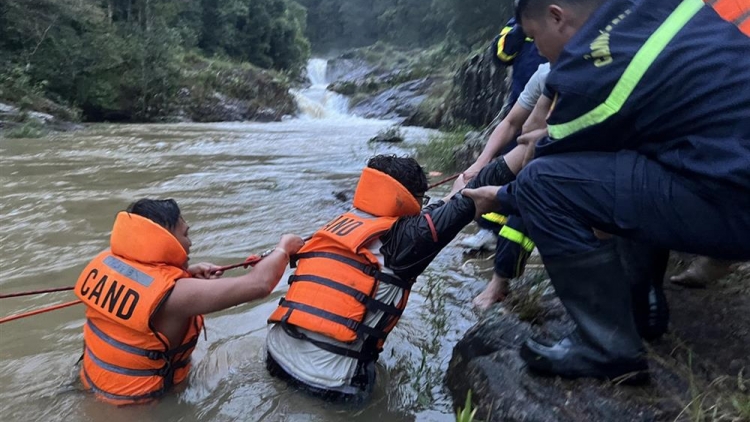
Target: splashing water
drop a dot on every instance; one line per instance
(317, 102)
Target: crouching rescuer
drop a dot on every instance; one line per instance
(353, 278)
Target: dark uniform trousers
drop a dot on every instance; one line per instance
(561, 197)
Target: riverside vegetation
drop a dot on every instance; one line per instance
(209, 60)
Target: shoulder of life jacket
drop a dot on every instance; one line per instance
(735, 11)
(337, 277)
(125, 359)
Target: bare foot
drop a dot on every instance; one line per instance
(496, 291)
(702, 271)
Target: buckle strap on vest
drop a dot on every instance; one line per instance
(371, 270)
(367, 269)
(97, 390)
(182, 348)
(127, 371)
(370, 303)
(346, 322)
(151, 354)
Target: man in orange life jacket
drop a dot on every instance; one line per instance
(144, 304)
(352, 279)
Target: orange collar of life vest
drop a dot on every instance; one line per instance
(141, 240)
(381, 195)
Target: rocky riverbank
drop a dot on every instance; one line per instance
(208, 91)
(420, 88)
(699, 371)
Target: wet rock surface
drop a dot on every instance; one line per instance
(232, 95)
(479, 91)
(13, 117)
(388, 139)
(401, 101)
(698, 369)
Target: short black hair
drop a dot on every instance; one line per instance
(164, 212)
(405, 170)
(532, 8)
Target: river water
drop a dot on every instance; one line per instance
(240, 186)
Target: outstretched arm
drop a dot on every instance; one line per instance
(499, 138)
(195, 296)
(413, 242)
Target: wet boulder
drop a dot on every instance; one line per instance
(478, 93)
(698, 369)
(392, 135)
(401, 101)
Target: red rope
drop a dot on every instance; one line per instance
(444, 181)
(39, 311)
(36, 292)
(251, 261)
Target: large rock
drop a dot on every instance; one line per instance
(401, 101)
(696, 370)
(348, 68)
(12, 117)
(237, 94)
(466, 154)
(479, 91)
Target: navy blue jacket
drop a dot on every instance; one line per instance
(684, 101)
(519, 52)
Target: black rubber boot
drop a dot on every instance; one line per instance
(496, 173)
(596, 292)
(646, 266)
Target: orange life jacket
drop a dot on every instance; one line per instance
(337, 277)
(125, 359)
(735, 11)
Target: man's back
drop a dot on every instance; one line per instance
(673, 73)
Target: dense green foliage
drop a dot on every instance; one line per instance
(124, 59)
(121, 59)
(354, 23)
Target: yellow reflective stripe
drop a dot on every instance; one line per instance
(496, 218)
(633, 74)
(501, 46)
(517, 237)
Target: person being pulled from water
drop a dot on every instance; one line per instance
(144, 304)
(353, 278)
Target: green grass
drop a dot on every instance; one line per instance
(438, 153)
(28, 130)
(466, 414)
(526, 297)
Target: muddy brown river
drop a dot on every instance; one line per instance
(240, 186)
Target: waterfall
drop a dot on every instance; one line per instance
(316, 101)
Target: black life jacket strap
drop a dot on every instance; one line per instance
(346, 322)
(151, 354)
(370, 303)
(182, 348)
(96, 389)
(371, 270)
